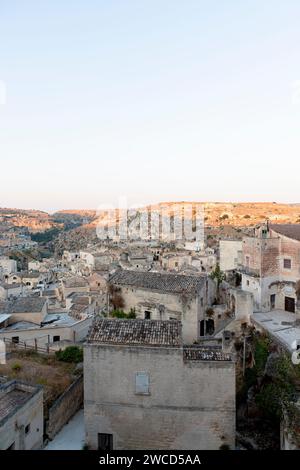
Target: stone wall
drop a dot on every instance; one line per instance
(64, 408)
(230, 254)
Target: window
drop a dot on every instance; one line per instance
(201, 301)
(142, 383)
(147, 315)
(15, 339)
(105, 441)
(56, 338)
(287, 263)
(248, 283)
(27, 429)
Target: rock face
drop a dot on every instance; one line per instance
(39, 221)
(216, 215)
(34, 221)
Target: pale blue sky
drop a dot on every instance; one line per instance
(152, 100)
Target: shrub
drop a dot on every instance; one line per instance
(70, 354)
(224, 447)
(118, 313)
(16, 367)
(132, 313)
(210, 312)
(261, 353)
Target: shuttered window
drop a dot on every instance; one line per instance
(142, 383)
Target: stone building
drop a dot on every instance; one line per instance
(21, 416)
(230, 254)
(271, 267)
(7, 266)
(11, 291)
(144, 389)
(165, 296)
(28, 279)
(29, 321)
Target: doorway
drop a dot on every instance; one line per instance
(272, 301)
(289, 304)
(105, 441)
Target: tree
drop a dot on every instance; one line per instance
(116, 298)
(218, 276)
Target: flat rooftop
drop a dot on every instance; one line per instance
(281, 326)
(51, 320)
(13, 395)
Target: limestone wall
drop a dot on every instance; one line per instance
(191, 404)
(64, 408)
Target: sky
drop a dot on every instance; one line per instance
(148, 101)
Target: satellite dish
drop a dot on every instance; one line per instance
(296, 357)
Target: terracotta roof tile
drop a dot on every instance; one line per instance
(136, 332)
(165, 282)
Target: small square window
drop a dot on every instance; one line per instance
(56, 338)
(287, 263)
(142, 383)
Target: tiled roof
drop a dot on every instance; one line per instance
(10, 286)
(288, 230)
(29, 275)
(136, 332)
(165, 282)
(75, 282)
(23, 305)
(205, 354)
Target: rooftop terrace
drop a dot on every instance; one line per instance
(13, 395)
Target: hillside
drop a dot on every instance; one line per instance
(216, 214)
